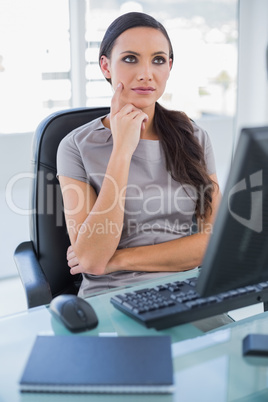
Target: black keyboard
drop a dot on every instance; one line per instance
(175, 303)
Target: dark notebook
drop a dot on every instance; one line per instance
(138, 364)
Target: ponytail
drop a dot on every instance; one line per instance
(184, 155)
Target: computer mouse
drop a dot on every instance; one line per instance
(74, 312)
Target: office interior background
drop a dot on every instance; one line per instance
(49, 62)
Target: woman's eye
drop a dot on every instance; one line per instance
(159, 60)
(130, 59)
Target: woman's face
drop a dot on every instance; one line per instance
(140, 60)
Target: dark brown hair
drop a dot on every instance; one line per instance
(183, 153)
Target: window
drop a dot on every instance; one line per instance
(204, 37)
(34, 62)
(36, 56)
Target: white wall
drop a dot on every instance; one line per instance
(221, 133)
(252, 96)
(14, 227)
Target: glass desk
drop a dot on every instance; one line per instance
(207, 366)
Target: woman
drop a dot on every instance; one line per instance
(132, 181)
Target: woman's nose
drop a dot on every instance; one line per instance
(145, 73)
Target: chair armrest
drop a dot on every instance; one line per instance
(35, 284)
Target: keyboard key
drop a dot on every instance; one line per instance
(128, 305)
(140, 310)
(191, 281)
(192, 304)
(250, 288)
(180, 294)
(263, 285)
(212, 299)
(233, 293)
(224, 295)
(160, 288)
(119, 299)
(141, 291)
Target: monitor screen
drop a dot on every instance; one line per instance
(237, 253)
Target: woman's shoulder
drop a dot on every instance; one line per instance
(205, 142)
(199, 132)
(91, 132)
(76, 147)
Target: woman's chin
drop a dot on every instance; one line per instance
(141, 103)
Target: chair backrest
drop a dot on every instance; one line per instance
(47, 224)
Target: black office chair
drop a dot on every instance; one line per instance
(41, 262)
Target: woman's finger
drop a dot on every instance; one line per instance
(115, 103)
(72, 262)
(78, 269)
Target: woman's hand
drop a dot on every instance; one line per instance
(73, 263)
(126, 122)
(77, 268)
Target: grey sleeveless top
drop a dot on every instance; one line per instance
(157, 208)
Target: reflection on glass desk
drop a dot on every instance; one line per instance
(207, 366)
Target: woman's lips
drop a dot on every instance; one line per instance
(143, 90)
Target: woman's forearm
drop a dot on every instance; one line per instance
(176, 255)
(173, 256)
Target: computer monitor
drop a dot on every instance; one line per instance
(237, 253)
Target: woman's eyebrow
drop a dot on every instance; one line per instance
(138, 54)
(160, 52)
(130, 51)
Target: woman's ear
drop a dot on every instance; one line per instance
(105, 67)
